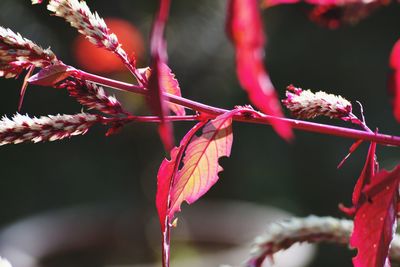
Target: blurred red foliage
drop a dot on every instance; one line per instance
(94, 59)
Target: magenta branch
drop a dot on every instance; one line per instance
(256, 117)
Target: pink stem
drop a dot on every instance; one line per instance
(261, 119)
(121, 86)
(329, 129)
(154, 119)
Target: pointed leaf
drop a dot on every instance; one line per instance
(200, 164)
(369, 170)
(165, 175)
(167, 172)
(170, 85)
(367, 173)
(244, 27)
(165, 178)
(51, 75)
(375, 220)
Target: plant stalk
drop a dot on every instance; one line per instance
(212, 112)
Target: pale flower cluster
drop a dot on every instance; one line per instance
(305, 104)
(22, 128)
(18, 53)
(78, 14)
(280, 236)
(93, 97)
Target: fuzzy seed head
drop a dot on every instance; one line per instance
(280, 236)
(93, 97)
(18, 53)
(305, 104)
(78, 14)
(22, 128)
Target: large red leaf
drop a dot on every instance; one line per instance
(167, 172)
(375, 220)
(395, 79)
(244, 27)
(200, 166)
(165, 178)
(199, 172)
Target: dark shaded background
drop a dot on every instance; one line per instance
(301, 177)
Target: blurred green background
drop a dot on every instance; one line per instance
(300, 177)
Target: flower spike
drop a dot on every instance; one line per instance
(18, 54)
(78, 14)
(308, 105)
(22, 128)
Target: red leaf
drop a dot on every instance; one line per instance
(367, 173)
(375, 220)
(166, 173)
(200, 170)
(169, 85)
(244, 27)
(394, 85)
(158, 106)
(51, 75)
(165, 179)
(395, 56)
(200, 166)
(369, 170)
(155, 97)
